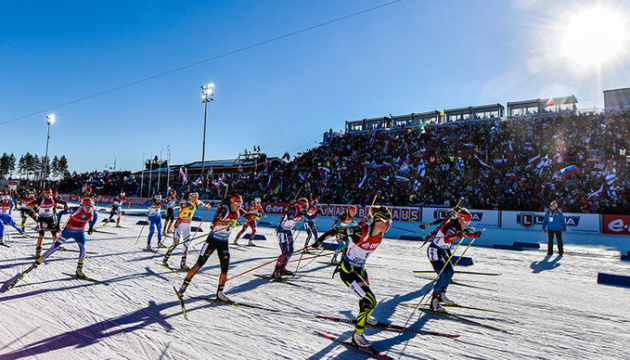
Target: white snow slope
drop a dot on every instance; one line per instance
(549, 307)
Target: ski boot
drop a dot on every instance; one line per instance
(79, 271)
(276, 274)
(372, 320)
(359, 340)
(435, 303)
(251, 243)
(182, 289)
(334, 260)
(38, 251)
(444, 300)
(183, 266)
(221, 296)
(284, 271)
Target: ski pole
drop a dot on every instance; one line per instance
(140, 233)
(267, 263)
(440, 273)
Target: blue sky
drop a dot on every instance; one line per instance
(406, 56)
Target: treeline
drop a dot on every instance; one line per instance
(32, 166)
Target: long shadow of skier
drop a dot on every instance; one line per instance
(545, 264)
(92, 334)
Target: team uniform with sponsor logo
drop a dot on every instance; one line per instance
(47, 219)
(75, 229)
(6, 206)
(225, 219)
(364, 240)
(27, 206)
(117, 207)
(87, 194)
(310, 219)
(439, 253)
(155, 219)
(182, 227)
(284, 232)
(253, 213)
(171, 203)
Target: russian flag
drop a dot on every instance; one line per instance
(550, 101)
(596, 194)
(197, 182)
(323, 170)
(569, 170)
(383, 181)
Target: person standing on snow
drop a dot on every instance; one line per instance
(554, 224)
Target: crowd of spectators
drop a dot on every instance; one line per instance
(510, 164)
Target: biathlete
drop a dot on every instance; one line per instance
(87, 194)
(182, 227)
(116, 207)
(170, 203)
(284, 231)
(27, 206)
(75, 229)
(6, 206)
(439, 253)
(254, 212)
(46, 213)
(225, 219)
(342, 229)
(363, 242)
(312, 214)
(155, 220)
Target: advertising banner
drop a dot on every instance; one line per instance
(529, 220)
(616, 224)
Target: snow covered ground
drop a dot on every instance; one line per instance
(549, 307)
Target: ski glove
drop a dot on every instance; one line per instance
(90, 230)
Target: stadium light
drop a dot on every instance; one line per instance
(207, 95)
(50, 119)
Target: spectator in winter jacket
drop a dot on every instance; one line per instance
(554, 224)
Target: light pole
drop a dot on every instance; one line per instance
(207, 95)
(50, 119)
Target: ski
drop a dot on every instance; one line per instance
(444, 313)
(103, 232)
(149, 250)
(348, 344)
(19, 277)
(5, 245)
(457, 283)
(458, 272)
(234, 303)
(454, 306)
(172, 269)
(270, 278)
(87, 279)
(72, 250)
(181, 302)
(390, 327)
